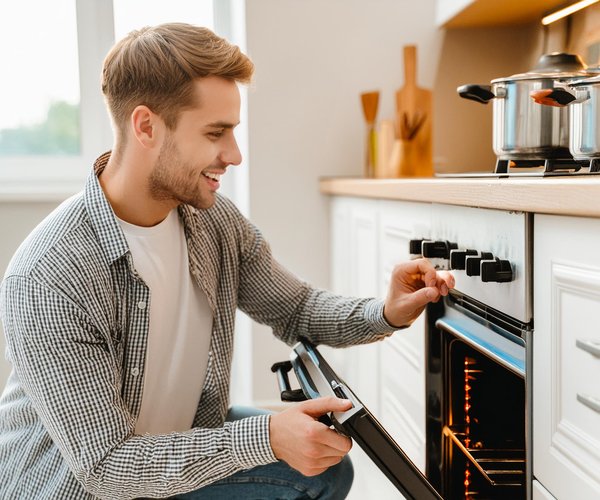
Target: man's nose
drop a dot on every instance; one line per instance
(231, 154)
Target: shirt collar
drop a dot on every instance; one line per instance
(103, 219)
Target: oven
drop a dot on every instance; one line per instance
(478, 351)
(478, 356)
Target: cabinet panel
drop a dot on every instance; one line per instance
(355, 264)
(540, 493)
(403, 354)
(566, 432)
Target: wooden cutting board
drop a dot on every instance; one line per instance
(414, 121)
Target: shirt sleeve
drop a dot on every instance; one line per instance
(272, 295)
(68, 369)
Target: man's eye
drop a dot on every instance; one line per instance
(217, 134)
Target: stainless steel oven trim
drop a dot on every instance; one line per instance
(511, 355)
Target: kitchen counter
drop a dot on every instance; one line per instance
(565, 195)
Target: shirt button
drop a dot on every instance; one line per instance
(141, 304)
(135, 371)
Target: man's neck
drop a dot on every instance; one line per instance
(125, 185)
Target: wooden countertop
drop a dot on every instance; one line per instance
(565, 195)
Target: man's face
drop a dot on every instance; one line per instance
(202, 146)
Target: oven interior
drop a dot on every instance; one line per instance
(484, 432)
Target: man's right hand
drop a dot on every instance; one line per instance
(304, 443)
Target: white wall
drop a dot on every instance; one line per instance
(17, 219)
(313, 59)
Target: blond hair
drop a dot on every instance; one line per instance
(156, 67)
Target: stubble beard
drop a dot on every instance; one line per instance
(173, 180)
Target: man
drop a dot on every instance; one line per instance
(119, 308)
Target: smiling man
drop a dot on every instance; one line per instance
(119, 308)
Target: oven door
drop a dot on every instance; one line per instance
(317, 379)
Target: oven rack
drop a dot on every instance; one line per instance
(500, 467)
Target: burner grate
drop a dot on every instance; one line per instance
(547, 166)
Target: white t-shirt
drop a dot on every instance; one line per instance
(179, 330)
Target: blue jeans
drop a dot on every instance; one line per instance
(276, 481)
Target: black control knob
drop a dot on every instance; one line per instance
(499, 271)
(414, 247)
(437, 249)
(458, 257)
(473, 263)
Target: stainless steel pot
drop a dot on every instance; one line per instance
(523, 129)
(583, 98)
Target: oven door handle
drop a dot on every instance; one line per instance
(282, 369)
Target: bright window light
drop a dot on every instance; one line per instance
(39, 90)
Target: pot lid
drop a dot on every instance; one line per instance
(592, 80)
(556, 65)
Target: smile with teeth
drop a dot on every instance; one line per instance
(210, 175)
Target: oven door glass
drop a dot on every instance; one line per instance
(317, 379)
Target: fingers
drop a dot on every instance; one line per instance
(422, 271)
(444, 282)
(320, 406)
(418, 270)
(321, 466)
(321, 433)
(336, 442)
(416, 301)
(303, 442)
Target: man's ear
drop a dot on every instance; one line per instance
(146, 126)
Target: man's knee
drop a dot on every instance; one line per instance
(338, 480)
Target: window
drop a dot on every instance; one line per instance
(40, 93)
(53, 121)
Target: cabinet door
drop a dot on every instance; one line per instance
(364, 255)
(540, 493)
(354, 265)
(402, 405)
(566, 356)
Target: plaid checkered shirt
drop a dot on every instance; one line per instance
(75, 316)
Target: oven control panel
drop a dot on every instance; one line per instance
(447, 255)
(488, 252)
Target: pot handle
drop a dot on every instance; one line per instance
(553, 97)
(473, 92)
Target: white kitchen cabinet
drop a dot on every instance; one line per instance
(355, 265)
(474, 13)
(402, 406)
(369, 237)
(566, 356)
(540, 493)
